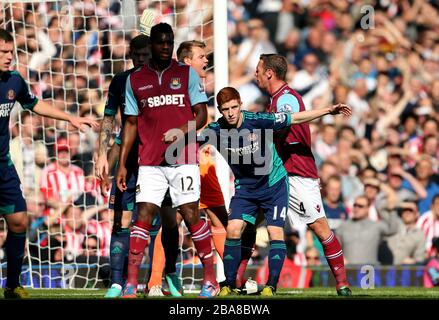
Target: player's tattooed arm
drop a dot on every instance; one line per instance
(105, 134)
(104, 139)
(113, 156)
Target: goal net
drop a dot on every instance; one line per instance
(68, 52)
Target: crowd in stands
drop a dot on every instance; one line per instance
(378, 168)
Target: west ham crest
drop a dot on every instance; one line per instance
(175, 83)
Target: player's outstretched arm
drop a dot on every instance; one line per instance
(46, 110)
(128, 138)
(306, 116)
(104, 138)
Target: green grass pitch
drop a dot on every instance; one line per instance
(313, 293)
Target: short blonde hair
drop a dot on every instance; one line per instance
(185, 49)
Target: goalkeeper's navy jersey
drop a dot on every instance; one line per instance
(116, 94)
(116, 100)
(249, 149)
(12, 88)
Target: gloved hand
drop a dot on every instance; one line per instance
(146, 21)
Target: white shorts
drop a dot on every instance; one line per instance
(183, 182)
(305, 203)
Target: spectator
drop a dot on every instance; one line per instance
(431, 271)
(29, 156)
(326, 170)
(45, 237)
(61, 181)
(91, 255)
(425, 176)
(429, 224)
(101, 228)
(312, 256)
(292, 240)
(357, 99)
(333, 202)
(73, 232)
(313, 259)
(351, 184)
(360, 237)
(3, 234)
(396, 176)
(379, 195)
(310, 81)
(408, 245)
(325, 145)
(256, 44)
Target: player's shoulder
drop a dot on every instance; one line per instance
(118, 79)
(180, 67)
(11, 76)
(15, 74)
(178, 64)
(288, 92)
(125, 74)
(215, 125)
(288, 101)
(138, 72)
(138, 75)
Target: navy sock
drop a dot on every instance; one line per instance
(14, 251)
(170, 237)
(232, 258)
(119, 248)
(275, 261)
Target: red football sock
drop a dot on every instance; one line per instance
(139, 238)
(248, 239)
(202, 239)
(240, 279)
(246, 253)
(334, 256)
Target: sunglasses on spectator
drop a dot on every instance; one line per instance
(359, 205)
(312, 258)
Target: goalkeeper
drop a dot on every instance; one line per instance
(13, 88)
